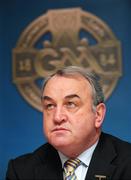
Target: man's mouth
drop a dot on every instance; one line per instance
(58, 129)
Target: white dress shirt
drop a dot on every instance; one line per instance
(85, 158)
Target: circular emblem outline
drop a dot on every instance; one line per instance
(65, 48)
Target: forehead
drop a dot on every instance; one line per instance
(65, 85)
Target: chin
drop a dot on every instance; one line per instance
(59, 143)
(66, 149)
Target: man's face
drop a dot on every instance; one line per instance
(70, 123)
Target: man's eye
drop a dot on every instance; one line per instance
(49, 106)
(70, 104)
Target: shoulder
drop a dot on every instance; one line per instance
(26, 166)
(119, 145)
(35, 158)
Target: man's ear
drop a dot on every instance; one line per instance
(100, 114)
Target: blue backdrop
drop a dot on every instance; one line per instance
(20, 124)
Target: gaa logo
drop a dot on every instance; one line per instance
(61, 38)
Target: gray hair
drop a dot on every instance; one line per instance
(98, 96)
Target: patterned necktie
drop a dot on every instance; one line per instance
(69, 169)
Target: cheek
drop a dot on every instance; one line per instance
(46, 124)
(84, 121)
(46, 128)
(47, 118)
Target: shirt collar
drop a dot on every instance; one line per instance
(84, 157)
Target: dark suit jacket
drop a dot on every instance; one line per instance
(111, 159)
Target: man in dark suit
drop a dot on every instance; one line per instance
(74, 110)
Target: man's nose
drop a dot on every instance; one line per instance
(60, 115)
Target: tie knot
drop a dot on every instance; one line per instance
(71, 164)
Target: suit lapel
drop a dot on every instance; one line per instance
(50, 167)
(100, 166)
(48, 172)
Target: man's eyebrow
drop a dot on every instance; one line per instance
(46, 98)
(72, 96)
